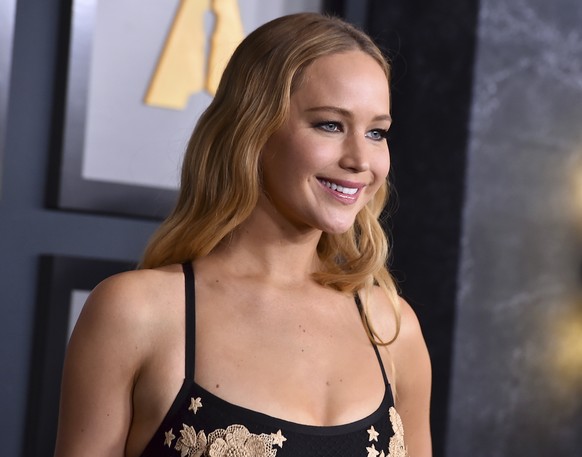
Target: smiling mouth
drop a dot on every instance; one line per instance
(342, 189)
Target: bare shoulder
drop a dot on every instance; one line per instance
(125, 306)
(115, 338)
(140, 283)
(389, 317)
(410, 335)
(408, 350)
(133, 293)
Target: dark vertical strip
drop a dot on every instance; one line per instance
(357, 12)
(431, 45)
(334, 7)
(59, 91)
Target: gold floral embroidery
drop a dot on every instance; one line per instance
(191, 444)
(396, 447)
(237, 441)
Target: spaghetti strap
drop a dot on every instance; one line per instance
(375, 346)
(190, 324)
(384, 375)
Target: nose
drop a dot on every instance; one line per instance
(355, 154)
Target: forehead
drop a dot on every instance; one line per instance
(345, 58)
(352, 78)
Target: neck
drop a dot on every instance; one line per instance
(267, 245)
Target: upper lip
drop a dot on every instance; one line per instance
(342, 182)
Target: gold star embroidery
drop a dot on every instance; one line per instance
(372, 452)
(278, 438)
(382, 454)
(169, 438)
(373, 434)
(195, 403)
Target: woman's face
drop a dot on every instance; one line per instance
(330, 156)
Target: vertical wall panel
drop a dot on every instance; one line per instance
(517, 380)
(431, 45)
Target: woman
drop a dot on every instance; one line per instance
(263, 321)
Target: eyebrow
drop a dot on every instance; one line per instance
(347, 113)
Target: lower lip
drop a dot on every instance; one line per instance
(344, 198)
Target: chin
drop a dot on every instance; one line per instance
(338, 229)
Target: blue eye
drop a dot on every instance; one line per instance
(329, 126)
(377, 134)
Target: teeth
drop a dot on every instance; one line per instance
(343, 190)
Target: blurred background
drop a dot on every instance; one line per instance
(486, 217)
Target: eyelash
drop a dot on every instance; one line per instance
(323, 126)
(383, 134)
(337, 127)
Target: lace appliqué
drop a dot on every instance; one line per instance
(396, 447)
(190, 443)
(235, 441)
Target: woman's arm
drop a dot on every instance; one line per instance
(102, 362)
(413, 383)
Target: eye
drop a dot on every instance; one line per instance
(329, 126)
(377, 134)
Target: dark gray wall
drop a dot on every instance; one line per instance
(517, 379)
(27, 228)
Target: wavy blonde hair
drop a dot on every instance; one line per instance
(221, 179)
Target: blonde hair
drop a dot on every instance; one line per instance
(221, 182)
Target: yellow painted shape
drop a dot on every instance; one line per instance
(181, 68)
(228, 33)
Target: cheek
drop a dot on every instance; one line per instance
(382, 166)
(387, 166)
(381, 169)
(308, 157)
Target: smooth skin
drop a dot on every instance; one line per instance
(268, 337)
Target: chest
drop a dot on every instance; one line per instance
(307, 363)
(310, 361)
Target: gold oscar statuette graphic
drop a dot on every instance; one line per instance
(182, 69)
